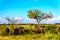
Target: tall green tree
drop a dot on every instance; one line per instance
(38, 15)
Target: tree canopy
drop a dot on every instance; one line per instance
(38, 15)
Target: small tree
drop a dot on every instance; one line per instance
(12, 22)
(38, 15)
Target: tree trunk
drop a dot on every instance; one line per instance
(38, 23)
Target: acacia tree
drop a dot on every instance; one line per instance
(38, 15)
(11, 21)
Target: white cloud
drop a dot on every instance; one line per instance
(2, 20)
(18, 18)
(53, 20)
(27, 20)
(31, 20)
(58, 17)
(49, 21)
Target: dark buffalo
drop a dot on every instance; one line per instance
(7, 30)
(19, 30)
(27, 31)
(58, 27)
(16, 31)
(39, 29)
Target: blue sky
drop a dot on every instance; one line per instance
(19, 8)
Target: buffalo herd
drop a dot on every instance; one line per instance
(21, 30)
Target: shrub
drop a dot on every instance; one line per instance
(4, 31)
(51, 29)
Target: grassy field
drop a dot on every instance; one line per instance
(31, 36)
(47, 36)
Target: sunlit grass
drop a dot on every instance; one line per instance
(46, 36)
(31, 36)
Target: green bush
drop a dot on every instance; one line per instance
(51, 29)
(4, 31)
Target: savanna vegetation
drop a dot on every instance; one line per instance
(13, 31)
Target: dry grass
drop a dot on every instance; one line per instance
(46, 36)
(33, 36)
